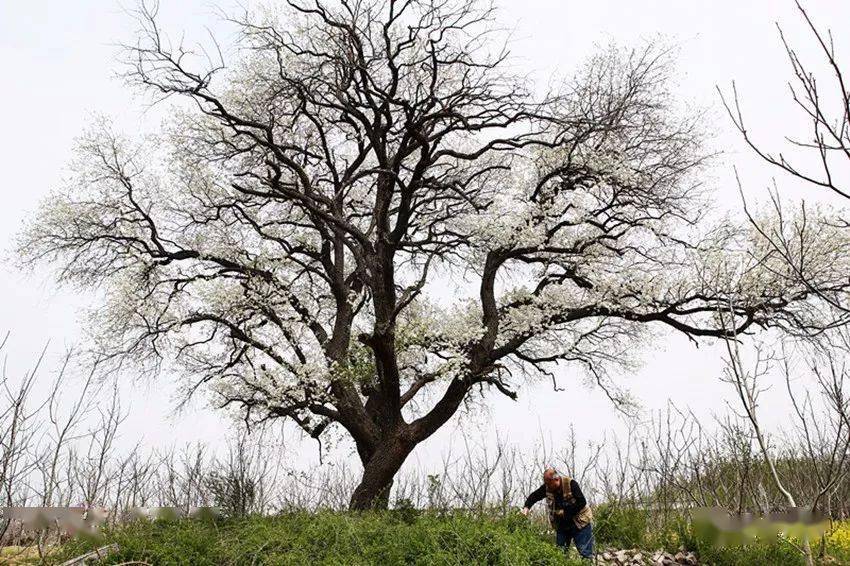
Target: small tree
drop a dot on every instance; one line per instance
(296, 236)
(820, 159)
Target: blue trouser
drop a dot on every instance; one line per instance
(583, 538)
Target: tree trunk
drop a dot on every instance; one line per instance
(373, 492)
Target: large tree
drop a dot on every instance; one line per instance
(368, 219)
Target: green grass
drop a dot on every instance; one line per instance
(406, 537)
(332, 538)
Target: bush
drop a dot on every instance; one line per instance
(621, 527)
(744, 551)
(405, 511)
(838, 541)
(775, 553)
(233, 494)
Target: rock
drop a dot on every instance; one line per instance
(638, 557)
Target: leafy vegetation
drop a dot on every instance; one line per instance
(407, 536)
(332, 538)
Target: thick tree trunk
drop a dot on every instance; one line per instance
(373, 492)
(366, 499)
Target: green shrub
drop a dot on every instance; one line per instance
(405, 511)
(621, 527)
(774, 553)
(740, 550)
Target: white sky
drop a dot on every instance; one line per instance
(57, 62)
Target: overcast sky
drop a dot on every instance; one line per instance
(58, 61)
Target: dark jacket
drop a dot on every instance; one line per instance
(570, 508)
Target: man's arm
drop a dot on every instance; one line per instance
(570, 509)
(535, 496)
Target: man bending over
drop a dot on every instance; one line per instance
(569, 513)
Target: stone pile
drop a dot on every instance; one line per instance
(637, 557)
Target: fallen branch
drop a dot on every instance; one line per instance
(96, 554)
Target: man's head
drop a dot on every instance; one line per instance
(551, 479)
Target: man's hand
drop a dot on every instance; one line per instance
(524, 511)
